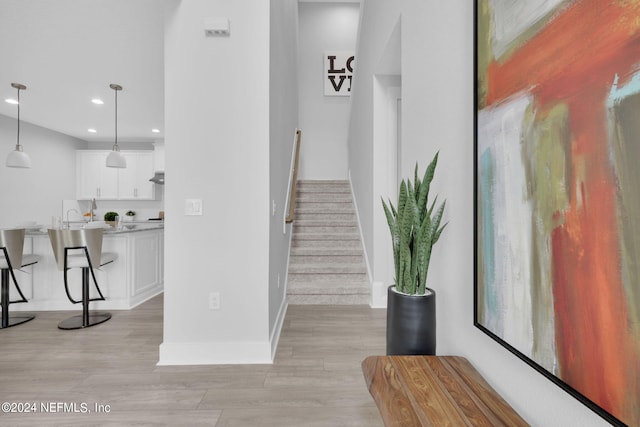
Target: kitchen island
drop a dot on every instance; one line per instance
(136, 276)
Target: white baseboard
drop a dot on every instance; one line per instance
(379, 295)
(218, 353)
(277, 327)
(364, 248)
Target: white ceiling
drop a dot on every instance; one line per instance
(68, 51)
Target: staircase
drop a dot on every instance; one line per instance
(326, 265)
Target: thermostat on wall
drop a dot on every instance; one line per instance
(216, 27)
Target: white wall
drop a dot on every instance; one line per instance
(437, 93)
(283, 120)
(36, 194)
(324, 120)
(217, 150)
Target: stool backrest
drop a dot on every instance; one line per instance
(90, 238)
(13, 242)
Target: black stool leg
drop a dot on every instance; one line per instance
(15, 319)
(85, 297)
(87, 318)
(5, 298)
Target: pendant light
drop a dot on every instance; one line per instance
(115, 159)
(18, 158)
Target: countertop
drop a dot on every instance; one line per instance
(125, 227)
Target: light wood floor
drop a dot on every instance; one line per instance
(316, 379)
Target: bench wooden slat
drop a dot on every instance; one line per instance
(384, 386)
(429, 396)
(434, 391)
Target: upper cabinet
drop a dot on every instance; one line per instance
(133, 181)
(95, 180)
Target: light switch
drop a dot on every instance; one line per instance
(193, 207)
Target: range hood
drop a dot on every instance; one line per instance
(158, 178)
(158, 162)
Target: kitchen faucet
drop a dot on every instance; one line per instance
(69, 210)
(92, 207)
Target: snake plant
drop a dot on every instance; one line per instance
(415, 228)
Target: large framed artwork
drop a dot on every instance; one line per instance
(557, 186)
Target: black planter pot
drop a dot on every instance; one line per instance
(411, 323)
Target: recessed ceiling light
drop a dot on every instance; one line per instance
(97, 101)
(11, 101)
(155, 130)
(91, 130)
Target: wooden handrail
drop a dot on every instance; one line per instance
(294, 179)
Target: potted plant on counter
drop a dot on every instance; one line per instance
(130, 216)
(110, 218)
(415, 228)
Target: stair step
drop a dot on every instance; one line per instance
(328, 207)
(320, 268)
(327, 281)
(326, 259)
(326, 251)
(323, 217)
(351, 299)
(326, 222)
(329, 289)
(301, 211)
(327, 229)
(325, 236)
(323, 186)
(325, 244)
(323, 197)
(345, 289)
(330, 284)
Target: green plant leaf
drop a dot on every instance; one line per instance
(402, 198)
(404, 281)
(416, 181)
(423, 195)
(415, 228)
(424, 243)
(435, 226)
(395, 235)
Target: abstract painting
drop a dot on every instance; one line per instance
(557, 186)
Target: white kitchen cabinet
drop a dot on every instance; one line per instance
(147, 257)
(133, 181)
(95, 180)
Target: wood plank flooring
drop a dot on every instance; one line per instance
(316, 379)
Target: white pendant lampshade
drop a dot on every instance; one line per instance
(18, 158)
(115, 159)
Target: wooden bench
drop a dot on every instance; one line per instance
(434, 391)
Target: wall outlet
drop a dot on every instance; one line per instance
(214, 300)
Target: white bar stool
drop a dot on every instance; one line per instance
(11, 246)
(81, 249)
